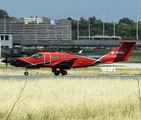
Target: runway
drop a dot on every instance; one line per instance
(70, 77)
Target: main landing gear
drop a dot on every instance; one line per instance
(57, 72)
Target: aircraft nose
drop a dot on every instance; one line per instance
(5, 61)
(18, 62)
(15, 62)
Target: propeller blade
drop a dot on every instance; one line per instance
(6, 65)
(6, 60)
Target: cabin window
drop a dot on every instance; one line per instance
(59, 57)
(66, 57)
(37, 56)
(53, 57)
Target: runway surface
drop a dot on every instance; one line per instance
(71, 77)
(127, 65)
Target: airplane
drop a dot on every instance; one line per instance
(59, 62)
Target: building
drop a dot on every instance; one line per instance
(6, 40)
(99, 37)
(36, 31)
(31, 20)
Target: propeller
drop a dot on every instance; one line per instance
(6, 60)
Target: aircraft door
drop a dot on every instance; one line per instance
(47, 59)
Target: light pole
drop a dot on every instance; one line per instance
(89, 27)
(114, 23)
(137, 25)
(0, 46)
(78, 28)
(103, 22)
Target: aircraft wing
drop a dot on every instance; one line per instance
(67, 64)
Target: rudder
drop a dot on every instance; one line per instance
(120, 54)
(125, 50)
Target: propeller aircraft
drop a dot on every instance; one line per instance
(59, 62)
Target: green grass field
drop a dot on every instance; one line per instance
(67, 99)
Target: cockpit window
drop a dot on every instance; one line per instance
(37, 56)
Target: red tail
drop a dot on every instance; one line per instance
(120, 54)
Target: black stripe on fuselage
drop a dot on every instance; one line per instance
(19, 62)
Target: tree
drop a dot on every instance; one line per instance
(92, 20)
(124, 30)
(69, 18)
(139, 32)
(109, 29)
(3, 14)
(127, 21)
(83, 20)
(133, 32)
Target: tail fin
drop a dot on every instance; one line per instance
(120, 54)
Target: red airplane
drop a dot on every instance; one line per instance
(64, 61)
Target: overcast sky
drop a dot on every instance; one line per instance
(62, 9)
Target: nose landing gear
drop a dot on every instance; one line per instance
(26, 73)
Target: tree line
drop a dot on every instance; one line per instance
(125, 28)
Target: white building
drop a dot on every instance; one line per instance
(6, 40)
(32, 20)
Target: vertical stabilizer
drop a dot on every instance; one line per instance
(120, 54)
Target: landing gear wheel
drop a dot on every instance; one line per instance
(64, 72)
(56, 72)
(26, 73)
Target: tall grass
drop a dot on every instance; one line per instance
(71, 99)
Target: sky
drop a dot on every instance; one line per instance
(62, 9)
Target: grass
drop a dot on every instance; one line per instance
(133, 59)
(71, 99)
